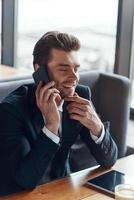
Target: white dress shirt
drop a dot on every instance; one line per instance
(56, 138)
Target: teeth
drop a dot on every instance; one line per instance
(69, 86)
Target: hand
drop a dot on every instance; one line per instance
(82, 110)
(46, 101)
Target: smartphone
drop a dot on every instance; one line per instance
(41, 75)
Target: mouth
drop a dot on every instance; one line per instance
(69, 86)
(68, 89)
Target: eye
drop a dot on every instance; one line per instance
(63, 69)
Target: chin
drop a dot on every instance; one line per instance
(65, 94)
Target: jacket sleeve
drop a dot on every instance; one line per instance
(25, 161)
(104, 153)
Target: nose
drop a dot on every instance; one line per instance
(74, 75)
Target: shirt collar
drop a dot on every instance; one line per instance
(60, 107)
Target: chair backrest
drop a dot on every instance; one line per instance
(9, 86)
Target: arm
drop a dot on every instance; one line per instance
(82, 110)
(25, 157)
(25, 161)
(106, 152)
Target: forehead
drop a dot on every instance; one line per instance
(60, 55)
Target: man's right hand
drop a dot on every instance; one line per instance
(45, 99)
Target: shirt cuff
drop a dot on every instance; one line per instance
(96, 139)
(51, 135)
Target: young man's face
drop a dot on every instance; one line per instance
(63, 69)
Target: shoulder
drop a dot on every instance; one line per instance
(19, 93)
(19, 98)
(83, 91)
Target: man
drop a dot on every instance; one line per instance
(38, 124)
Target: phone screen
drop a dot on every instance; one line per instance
(41, 75)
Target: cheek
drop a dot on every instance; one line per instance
(58, 80)
(54, 77)
(62, 78)
(59, 77)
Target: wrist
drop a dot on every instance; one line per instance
(52, 128)
(96, 131)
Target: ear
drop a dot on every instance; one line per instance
(36, 66)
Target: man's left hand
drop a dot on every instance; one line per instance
(81, 109)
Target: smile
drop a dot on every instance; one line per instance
(69, 86)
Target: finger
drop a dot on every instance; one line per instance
(45, 94)
(58, 100)
(49, 84)
(42, 86)
(53, 97)
(83, 107)
(76, 117)
(75, 94)
(43, 90)
(77, 111)
(77, 99)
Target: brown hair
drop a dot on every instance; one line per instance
(50, 40)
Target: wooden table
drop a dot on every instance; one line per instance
(73, 188)
(11, 73)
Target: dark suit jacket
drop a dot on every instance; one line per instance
(26, 152)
